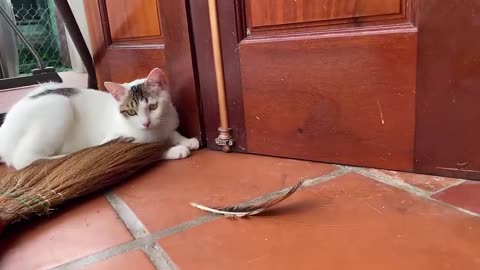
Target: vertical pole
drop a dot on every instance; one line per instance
(224, 139)
(65, 11)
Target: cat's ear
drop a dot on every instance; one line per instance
(116, 90)
(157, 77)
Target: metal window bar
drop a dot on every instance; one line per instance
(39, 75)
(46, 74)
(66, 13)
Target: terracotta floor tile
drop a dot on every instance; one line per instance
(161, 197)
(425, 182)
(133, 260)
(348, 223)
(89, 227)
(465, 195)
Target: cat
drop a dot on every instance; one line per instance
(53, 121)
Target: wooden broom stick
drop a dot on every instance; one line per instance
(224, 139)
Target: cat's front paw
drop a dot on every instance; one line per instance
(191, 144)
(177, 152)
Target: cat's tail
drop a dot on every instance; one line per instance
(2, 118)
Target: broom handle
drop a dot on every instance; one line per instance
(225, 138)
(217, 57)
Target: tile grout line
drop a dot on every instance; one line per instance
(158, 256)
(463, 210)
(307, 183)
(461, 181)
(184, 226)
(391, 181)
(131, 221)
(152, 249)
(325, 178)
(104, 254)
(400, 184)
(140, 243)
(144, 240)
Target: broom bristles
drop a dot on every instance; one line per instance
(40, 187)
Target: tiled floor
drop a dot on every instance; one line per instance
(345, 218)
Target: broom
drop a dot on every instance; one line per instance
(37, 189)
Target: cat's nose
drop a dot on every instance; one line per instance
(146, 124)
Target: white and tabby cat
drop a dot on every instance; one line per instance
(53, 121)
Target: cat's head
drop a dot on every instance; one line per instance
(143, 103)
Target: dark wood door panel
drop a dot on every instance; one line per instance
(119, 48)
(274, 12)
(448, 89)
(269, 17)
(133, 63)
(345, 98)
(133, 19)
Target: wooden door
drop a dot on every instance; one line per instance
(130, 38)
(323, 80)
(339, 80)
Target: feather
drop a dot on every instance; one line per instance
(250, 209)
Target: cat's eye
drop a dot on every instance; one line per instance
(131, 112)
(152, 107)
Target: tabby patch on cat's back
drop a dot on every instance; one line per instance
(66, 92)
